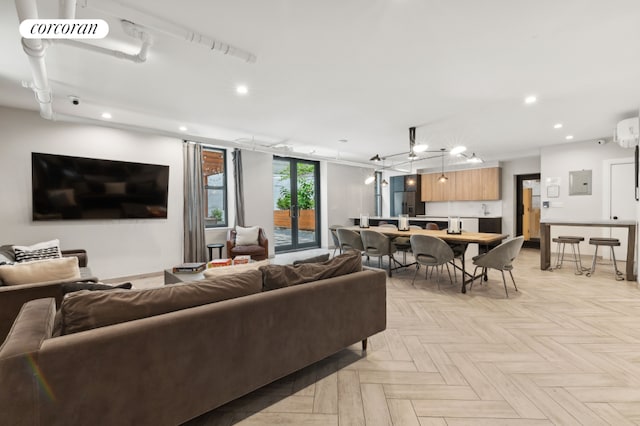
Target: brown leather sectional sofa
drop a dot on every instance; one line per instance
(169, 368)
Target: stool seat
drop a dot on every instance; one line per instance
(568, 240)
(574, 241)
(606, 242)
(609, 242)
(572, 237)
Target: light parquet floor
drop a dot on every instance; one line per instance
(563, 350)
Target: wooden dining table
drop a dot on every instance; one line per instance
(483, 239)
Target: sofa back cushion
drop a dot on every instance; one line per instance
(86, 310)
(64, 268)
(278, 276)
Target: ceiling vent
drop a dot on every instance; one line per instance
(626, 132)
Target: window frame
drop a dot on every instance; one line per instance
(208, 222)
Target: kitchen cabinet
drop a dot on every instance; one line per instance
(405, 195)
(434, 190)
(462, 185)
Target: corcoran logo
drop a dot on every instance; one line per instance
(64, 28)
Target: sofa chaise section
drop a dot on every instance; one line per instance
(169, 368)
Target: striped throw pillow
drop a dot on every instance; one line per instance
(40, 251)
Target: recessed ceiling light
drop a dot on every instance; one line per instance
(106, 115)
(458, 150)
(569, 137)
(183, 128)
(242, 89)
(557, 126)
(530, 100)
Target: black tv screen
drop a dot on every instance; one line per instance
(72, 188)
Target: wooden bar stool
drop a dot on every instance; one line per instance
(574, 241)
(606, 242)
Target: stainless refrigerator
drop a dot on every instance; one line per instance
(404, 203)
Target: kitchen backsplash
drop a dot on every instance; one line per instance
(464, 208)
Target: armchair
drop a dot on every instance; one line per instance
(258, 251)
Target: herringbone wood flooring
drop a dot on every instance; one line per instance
(564, 349)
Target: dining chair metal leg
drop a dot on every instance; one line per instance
(514, 281)
(473, 279)
(449, 272)
(504, 282)
(416, 273)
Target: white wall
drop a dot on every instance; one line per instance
(115, 247)
(257, 168)
(556, 163)
(347, 194)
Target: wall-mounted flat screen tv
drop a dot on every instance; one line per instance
(73, 188)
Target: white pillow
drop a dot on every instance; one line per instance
(234, 269)
(247, 236)
(39, 251)
(64, 268)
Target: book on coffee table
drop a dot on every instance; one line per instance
(190, 267)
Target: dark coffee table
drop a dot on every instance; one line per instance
(171, 277)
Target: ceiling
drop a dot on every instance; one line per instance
(358, 70)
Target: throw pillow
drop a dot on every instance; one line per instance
(278, 276)
(247, 236)
(315, 259)
(71, 287)
(7, 254)
(44, 250)
(235, 269)
(86, 310)
(64, 268)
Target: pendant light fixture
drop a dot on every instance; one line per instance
(442, 178)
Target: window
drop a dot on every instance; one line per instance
(215, 186)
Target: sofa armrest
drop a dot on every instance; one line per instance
(12, 297)
(81, 254)
(19, 360)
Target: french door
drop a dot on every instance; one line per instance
(296, 213)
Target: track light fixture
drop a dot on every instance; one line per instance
(419, 148)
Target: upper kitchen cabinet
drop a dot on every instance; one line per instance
(463, 185)
(434, 190)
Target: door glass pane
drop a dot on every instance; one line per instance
(282, 203)
(306, 196)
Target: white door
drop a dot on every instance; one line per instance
(622, 203)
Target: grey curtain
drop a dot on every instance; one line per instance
(237, 176)
(194, 242)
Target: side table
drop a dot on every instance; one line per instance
(212, 246)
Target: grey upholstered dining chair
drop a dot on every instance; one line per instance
(430, 251)
(378, 245)
(403, 244)
(500, 258)
(333, 230)
(349, 240)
